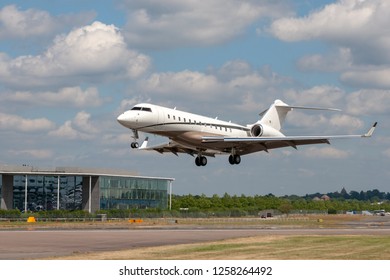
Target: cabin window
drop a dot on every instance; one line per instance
(190, 120)
(184, 119)
(169, 116)
(174, 117)
(179, 119)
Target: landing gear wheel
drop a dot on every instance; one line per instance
(231, 159)
(203, 161)
(236, 159)
(134, 145)
(200, 161)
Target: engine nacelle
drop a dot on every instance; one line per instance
(257, 130)
(263, 130)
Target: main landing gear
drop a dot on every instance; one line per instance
(234, 159)
(200, 160)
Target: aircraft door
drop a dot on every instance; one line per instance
(160, 119)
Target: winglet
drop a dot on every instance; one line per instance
(371, 131)
(144, 144)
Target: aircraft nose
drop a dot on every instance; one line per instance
(122, 119)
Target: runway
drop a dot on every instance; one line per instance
(39, 244)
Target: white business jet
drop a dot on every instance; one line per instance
(202, 136)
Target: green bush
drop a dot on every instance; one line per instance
(14, 213)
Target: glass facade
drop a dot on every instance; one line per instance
(127, 193)
(43, 191)
(48, 192)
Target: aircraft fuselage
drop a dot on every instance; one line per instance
(203, 136)
(182, 127)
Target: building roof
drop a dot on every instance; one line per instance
(72, 171)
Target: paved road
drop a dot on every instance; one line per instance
(45, 243)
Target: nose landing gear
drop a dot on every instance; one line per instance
(134, 144)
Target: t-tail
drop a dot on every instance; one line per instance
(277, 112)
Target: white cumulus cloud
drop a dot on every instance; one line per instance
(322, 95)
(369, 102)
(70, 96)
(18, 123)
(368, 77)
(360, 26)
(21, 24)
(191, 83)
(325, 152)
(80, 128)
(339, 60)
(217, 85)
(89, 53)
(172, 23)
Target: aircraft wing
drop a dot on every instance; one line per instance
(247, 145)
(176, 148)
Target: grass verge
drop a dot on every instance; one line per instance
(260, 247)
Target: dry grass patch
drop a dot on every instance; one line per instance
(260, 247)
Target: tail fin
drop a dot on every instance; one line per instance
(275, 115)
(277, 112)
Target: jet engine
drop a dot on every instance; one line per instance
(257, 130)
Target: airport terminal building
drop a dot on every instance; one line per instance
(70, 188)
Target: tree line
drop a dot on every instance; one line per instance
(235, 206)
(334, 202)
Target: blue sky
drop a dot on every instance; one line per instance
(67, 71)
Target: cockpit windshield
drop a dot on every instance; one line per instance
(141, 109)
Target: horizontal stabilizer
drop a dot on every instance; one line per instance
(309, 108)
(277, 112)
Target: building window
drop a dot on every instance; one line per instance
(134, 193)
